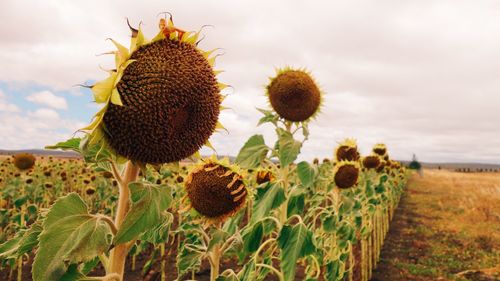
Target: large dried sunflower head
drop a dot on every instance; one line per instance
(162, 102)
(294, 95)
(346, 174)
(215, 190)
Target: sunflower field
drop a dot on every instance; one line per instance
(141, 203)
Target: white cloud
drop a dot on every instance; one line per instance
(45, 114)
(35, 129)
(425, 86)
(5, 106)
(49, 99)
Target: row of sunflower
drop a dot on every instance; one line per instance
(259, 216)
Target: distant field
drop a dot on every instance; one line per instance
(447, 223)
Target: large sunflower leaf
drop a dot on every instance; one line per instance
(268, 198)
(295, 242)
(252, 153)
(70, 235)
(148, 203)
(288, 147)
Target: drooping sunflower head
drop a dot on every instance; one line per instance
(24, 161)
(263, 176)
(380, 149)
(216, 190)
(347, 150)
(346, 174)
(162, 102)
(371, 161)
(294, 95)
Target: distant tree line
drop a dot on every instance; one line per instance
(476, 170)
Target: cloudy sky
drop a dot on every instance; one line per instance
(421, 76)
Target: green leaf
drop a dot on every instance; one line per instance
(252, 153)
(71, 144)
(148, 203)
(295, 242)
(333, 270)
(188, 260)
(267, 199)
(70, 235)
(296, 202)
(252, 237)
(306, 174)
(9, 248)
(73, 274)
(218, 236)
(269, 116)
(288, 147)
(159, 233)
(30, 239)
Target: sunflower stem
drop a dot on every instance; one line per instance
(284, 177)
(118, 254)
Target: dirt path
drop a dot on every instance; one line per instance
(446, 223)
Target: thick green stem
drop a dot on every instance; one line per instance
(119, 253)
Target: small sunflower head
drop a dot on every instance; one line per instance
(371, 161)
(346, 174)
(24, 161)
(90, 190)
(347, 151)
(215, 190)
(263, 176)
(294, 95)
(380, 149)
(162, 102)
(48, 184)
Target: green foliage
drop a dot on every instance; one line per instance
(288, 148)
(70, 235)
(148, 203)
(268, 198)
(252, 153)
(295, 242)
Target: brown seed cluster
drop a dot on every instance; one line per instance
(371, 162)
(347, 153)
(380, 151)
(346, 176)
(294, 95)
(215, 191)
(24, 161)
(170, 102)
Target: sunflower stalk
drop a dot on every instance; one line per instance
(118, 254)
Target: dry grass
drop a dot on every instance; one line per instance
(447, 223)
(464, 202)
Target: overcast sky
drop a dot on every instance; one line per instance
(421, 76)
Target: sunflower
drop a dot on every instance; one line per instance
(347, 150)
(162, 102)
(263, 176)
(371, 161)
(380, 149)
(294, 95)
(24, 161)
(346, 174)
(216, 190)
